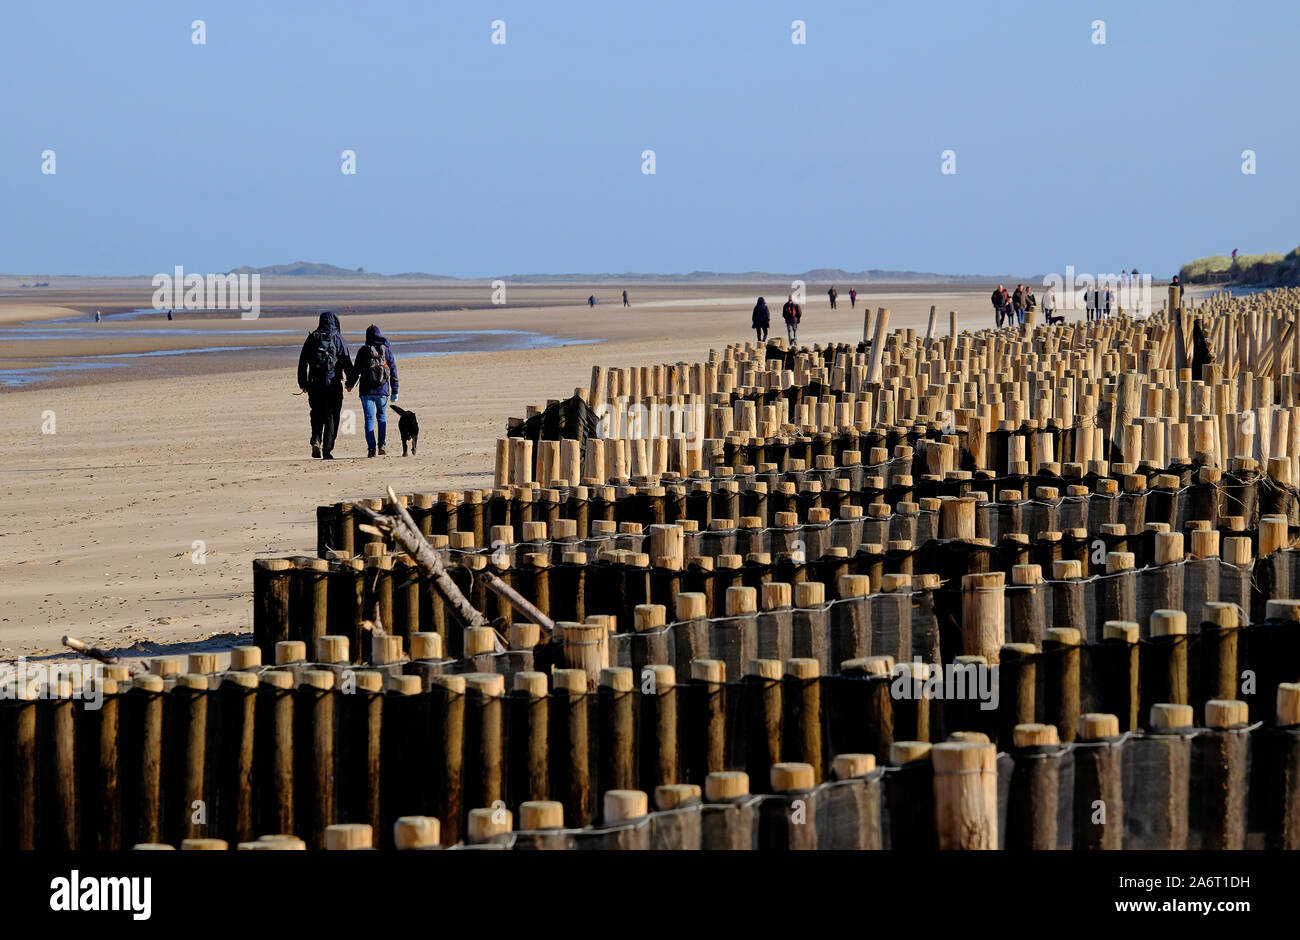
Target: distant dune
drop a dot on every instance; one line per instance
(820, 275)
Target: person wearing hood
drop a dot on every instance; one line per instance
(376, 370)
(792, 313)
(323, 366)
(761, 319)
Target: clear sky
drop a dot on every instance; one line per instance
(479, 160)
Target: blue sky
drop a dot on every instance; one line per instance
(479, 160)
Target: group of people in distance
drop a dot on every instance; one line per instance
(833, 294)
(791, 313)
(1010, 309)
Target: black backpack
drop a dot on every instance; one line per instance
(377, 367)
(324, 356)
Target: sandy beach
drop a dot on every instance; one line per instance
(134, 524)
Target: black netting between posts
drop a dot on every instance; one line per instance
(1194, 788)
(1036, 798)
(571, 419)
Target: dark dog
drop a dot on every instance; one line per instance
(408, 427)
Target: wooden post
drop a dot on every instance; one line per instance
(1117, 663)
(1098, 784)
(1061, 685)
(98, 766)
(570, 776)
(802, 731)
(705, 720)
(529, 774)
(1221, 756)
(965, 795)
(878, 346)
(615, 734)
(727, 817)
(982, 621)
(360, 723)
(789, 823)
(1163, 818)
(234, 810)
(314, 752)
(1164, 660)
(447, 720)
(1035, 788)
(416, 832)
(657, 735)
(18, 782)
(273, 745)
(1017, 679)
(484, 741)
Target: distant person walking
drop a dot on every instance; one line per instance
(376, 370)
(791, 314)
(1106, 301)
(591, 301)
(832, 294)
(853, 297)
(169, 314)
(1018, 304)
(1090, 303)
(96, 316)
(761, 320)
(1030, 300)
(999, 304)
(323, 366)
(625, 303)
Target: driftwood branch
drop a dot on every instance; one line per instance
(101, 655)
(399, 523)
(519, 603)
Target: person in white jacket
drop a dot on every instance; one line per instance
(1049, 305)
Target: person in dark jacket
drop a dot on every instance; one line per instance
(997, 304)
(1018, 305)
(832, 294)
(323, 366)
(376, 370)
(792, 314)
(762, 319)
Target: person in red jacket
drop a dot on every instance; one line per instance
(791, 314)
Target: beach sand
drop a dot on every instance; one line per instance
(134, 525)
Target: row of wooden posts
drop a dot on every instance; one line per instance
(1226, 786)
(944, 599)
(299, 748)
(1131, 381)
(1018, 503)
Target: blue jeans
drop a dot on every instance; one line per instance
(375, 409)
